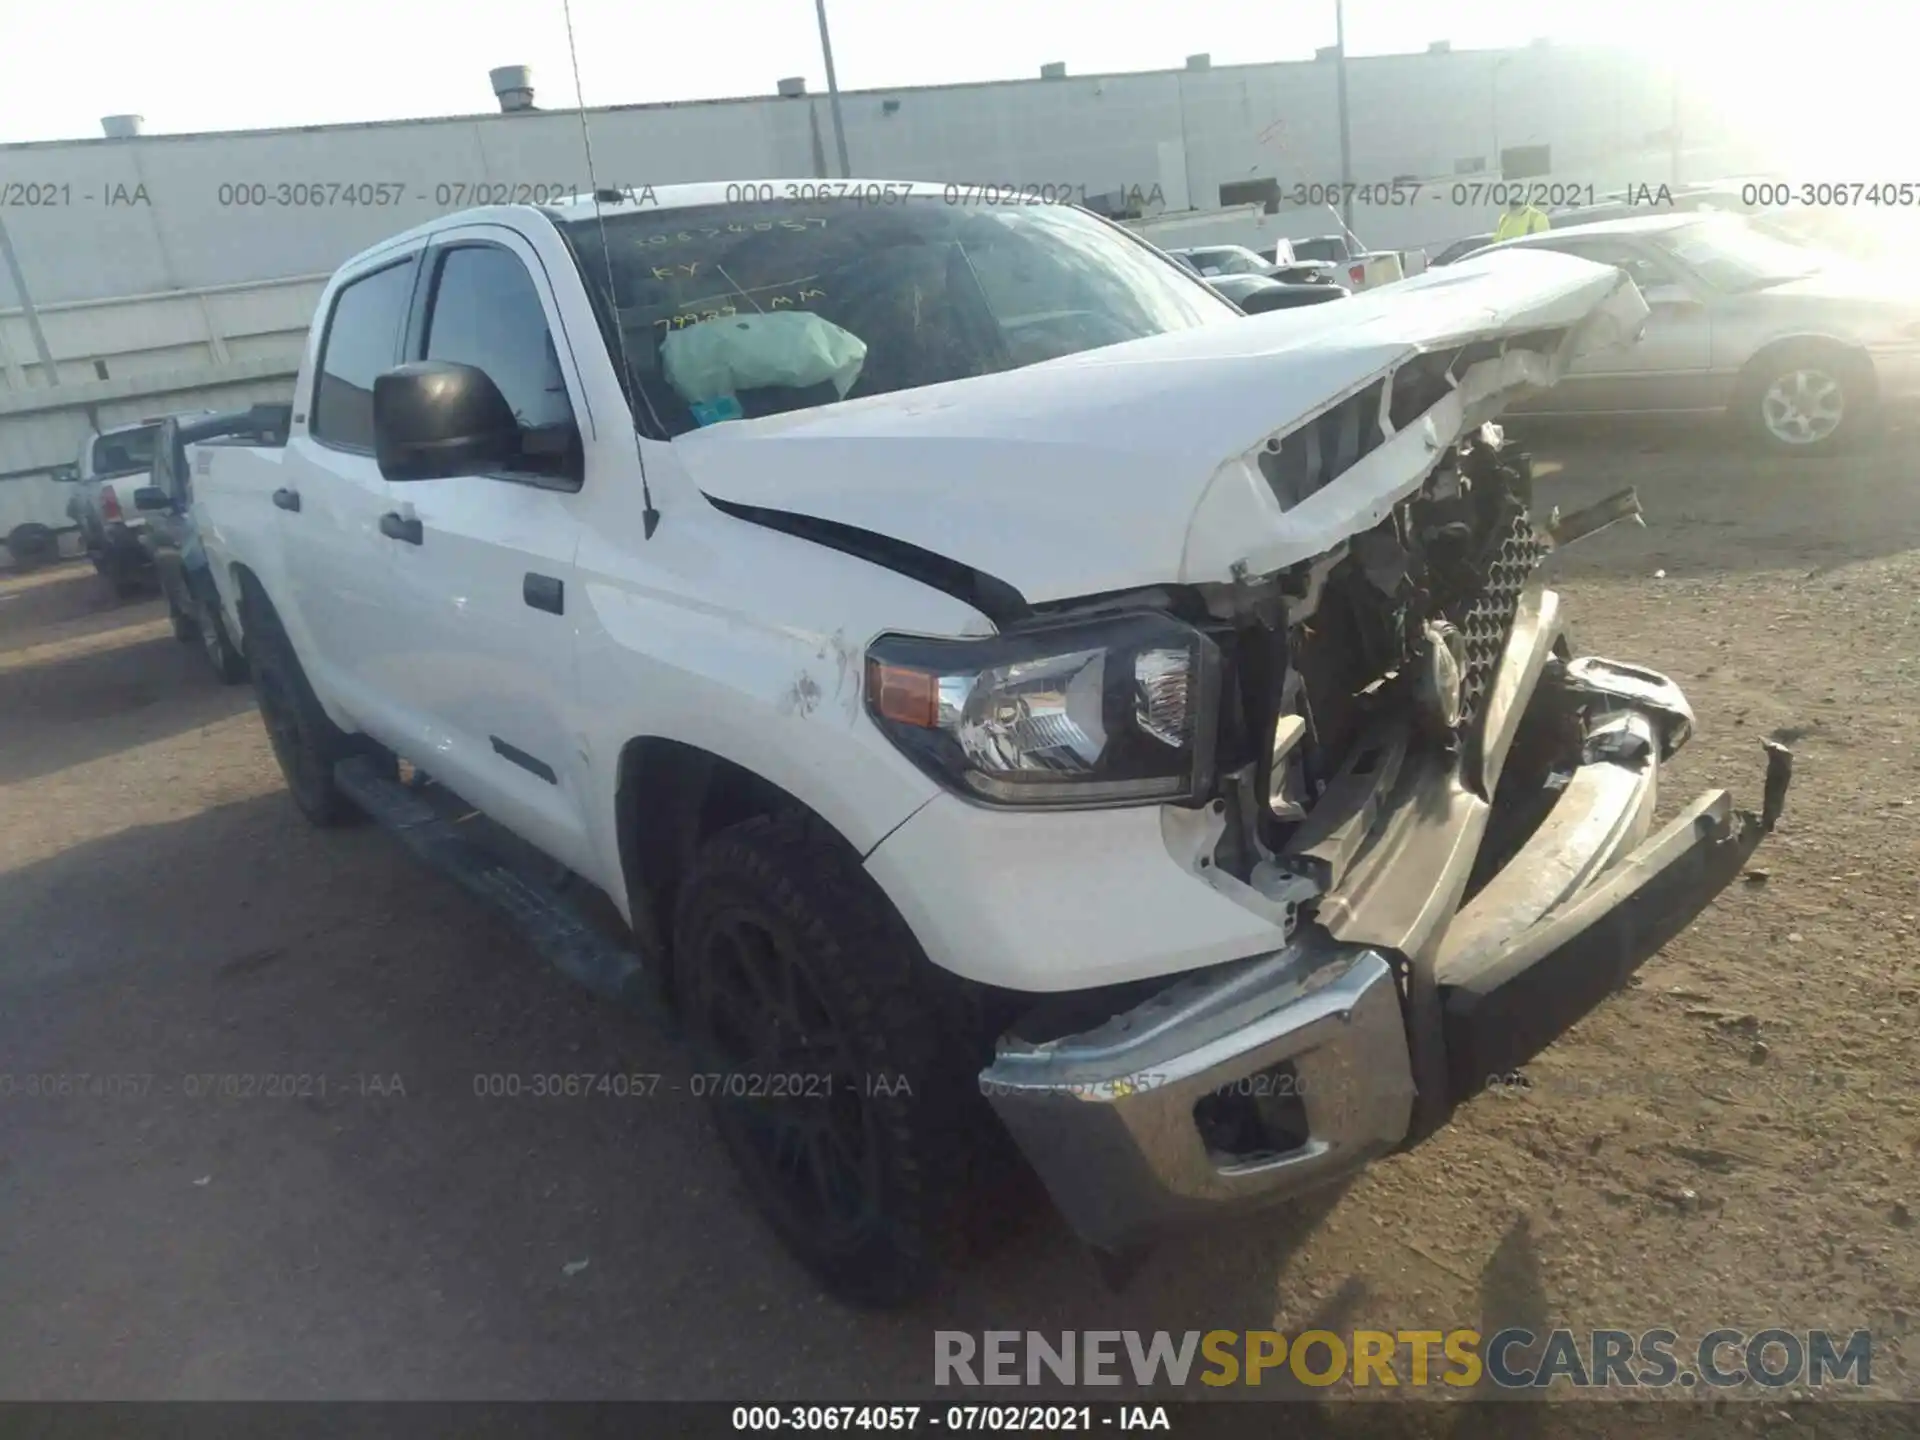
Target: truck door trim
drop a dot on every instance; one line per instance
(533, 764)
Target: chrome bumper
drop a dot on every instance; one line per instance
(1311, 1035)
(1252, 1082)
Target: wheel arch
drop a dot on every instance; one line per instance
(686, 794)
(1769, 354)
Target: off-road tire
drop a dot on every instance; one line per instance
(888, 1025)
(305, 742)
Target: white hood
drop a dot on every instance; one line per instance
(1134, 464)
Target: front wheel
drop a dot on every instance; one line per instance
(1808, 400)
(843, 1090)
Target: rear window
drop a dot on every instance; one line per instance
(710, 300)
(124, 452)
(1330, 248)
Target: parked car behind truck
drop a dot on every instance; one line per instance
(1006, 693)
(1801, 349)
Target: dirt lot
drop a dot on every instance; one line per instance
(1733, 1141)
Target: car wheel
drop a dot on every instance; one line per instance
(842, 1089)
(305, 741)
(31, 545)
(1809, 400)
(122, 574)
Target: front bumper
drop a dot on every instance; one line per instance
(1251, 1082)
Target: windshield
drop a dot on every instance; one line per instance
(125, 452)
(1731, 255)
(740, 311)
(1327, 247)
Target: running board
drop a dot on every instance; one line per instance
(554, 928)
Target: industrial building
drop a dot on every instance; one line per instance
(169, 272)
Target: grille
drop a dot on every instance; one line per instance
(1490, 616)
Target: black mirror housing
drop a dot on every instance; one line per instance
(434, 418)
(151, 497)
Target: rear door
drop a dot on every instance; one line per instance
(483, 656)
(332, 495)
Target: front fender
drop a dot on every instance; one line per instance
(750, 645)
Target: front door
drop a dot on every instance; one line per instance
(485, 564)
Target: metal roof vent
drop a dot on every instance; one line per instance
(514, 85)
(122, 127)
(793, 86)
(1055, 70)
(1440, 47)
(1199, 62)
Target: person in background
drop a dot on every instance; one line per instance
(1520, 219)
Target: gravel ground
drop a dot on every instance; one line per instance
(1734, 1140)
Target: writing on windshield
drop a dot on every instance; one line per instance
(903, 295)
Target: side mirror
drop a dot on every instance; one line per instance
(151, 497)
(435, 418)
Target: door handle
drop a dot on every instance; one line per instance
(287, 499)
(396, 528)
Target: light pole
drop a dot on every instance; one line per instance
(833, 92)
(1493, 91)
(51, 370)
(1673, 126)
(1346, 144)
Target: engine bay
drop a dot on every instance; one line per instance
(1408, 617)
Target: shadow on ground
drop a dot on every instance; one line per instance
(370, 1223)
(1707, 516)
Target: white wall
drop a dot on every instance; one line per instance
(1409, 114)
(145, 225)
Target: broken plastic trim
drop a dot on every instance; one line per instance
(1565, 530)
(990, 595)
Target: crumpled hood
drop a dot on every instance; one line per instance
(1137, 464)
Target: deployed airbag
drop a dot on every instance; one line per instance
(716, 359)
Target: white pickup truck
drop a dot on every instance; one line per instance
(1007, 692)
(112, 465)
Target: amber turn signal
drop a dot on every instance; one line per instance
(903, 695)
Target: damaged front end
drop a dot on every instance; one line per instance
(1448, 816)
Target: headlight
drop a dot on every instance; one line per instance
(1108, 712)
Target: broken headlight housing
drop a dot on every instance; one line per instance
(1119, 711)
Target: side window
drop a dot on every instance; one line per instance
(360, 343)
(486, 313)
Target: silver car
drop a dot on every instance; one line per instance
(1801, 347)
